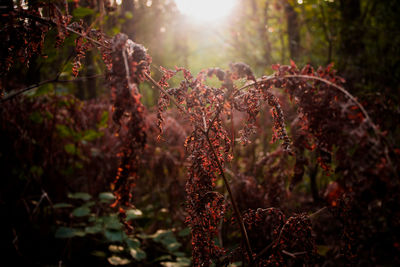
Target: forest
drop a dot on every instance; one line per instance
(200, 133)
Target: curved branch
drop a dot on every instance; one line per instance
(341, 89)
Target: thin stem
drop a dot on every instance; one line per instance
(213, 120)
(170, 97)
(205, 132)
(51, 23)
(128, 79)
(54, 80)
(234, 205)
(262, 252)
(33, 86)
(87, 38)
(315, 214)
(289, 254)
(204, 122)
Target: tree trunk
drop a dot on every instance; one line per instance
(351, 48)
(293, 31)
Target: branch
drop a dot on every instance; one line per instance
(48, 22)
(341, 89)
(54, 80)
(87, 38)
(315, 214)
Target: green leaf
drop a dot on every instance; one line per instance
(103, 120)
(184, 261)
(180, 262)
(133, 242)
(89, 204)
(93, 229)
(174, 246)
(44, 89)
(36, 117)
(91, 135)
(65, 232)
(179, 254)
(64, 130)
(128, 15)
(70, 149)
(163, 258)
(323, 250)
(99, 253)
(80, 195)
(167, 238)
(115, 30)
(62, 205)
(81, 12)
(81, 211)
(80, 233)
(37, 170)
(137, 254)
(115, 260)
(112, 222)
(78, 165)
(132, 214)
(106, 196)
(114, 236)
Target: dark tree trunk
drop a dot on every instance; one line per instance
(351, 48)
(293, 31)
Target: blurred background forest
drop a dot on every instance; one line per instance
(59, 150)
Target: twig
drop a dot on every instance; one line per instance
(262, 252)
(128, 79)
(87, 38)
(204, 122)
(213, 120)
(289, 254)
(293, 255)
(315, 214)
(33, 86)
(48, 22)
(171, 98)
(54, 80)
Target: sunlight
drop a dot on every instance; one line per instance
(205, 10)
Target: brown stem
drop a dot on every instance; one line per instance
(87, 37)
(234, 205)
(315, 214)
(171, 98)
(289, 254)
(48, 22)
(262, 252)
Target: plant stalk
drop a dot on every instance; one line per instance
(234, 205)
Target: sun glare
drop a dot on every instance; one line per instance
(205, 10)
